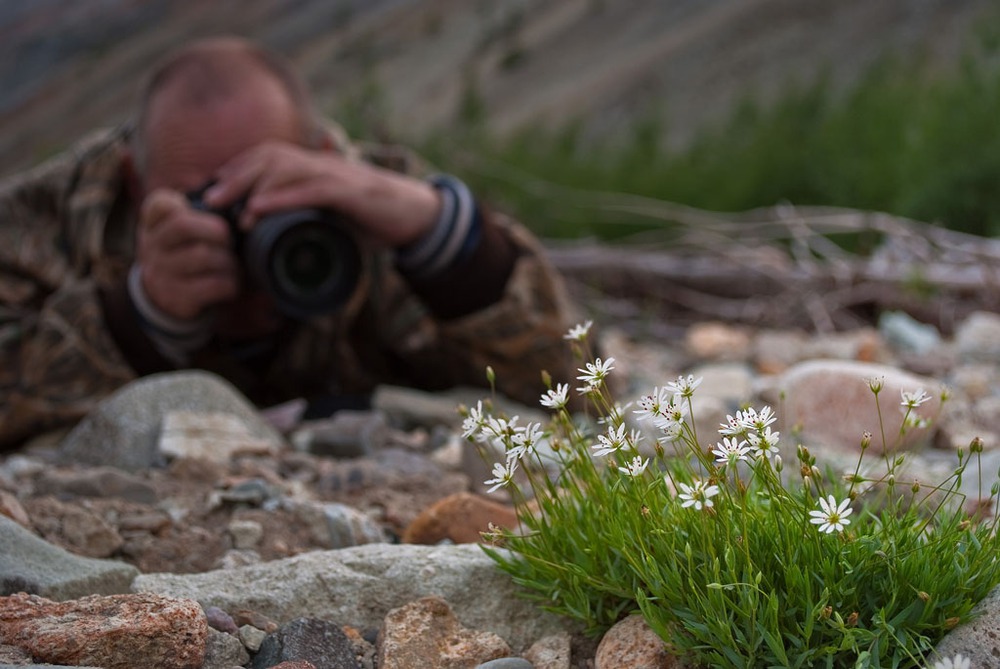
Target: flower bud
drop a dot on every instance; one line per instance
(547, 379)
(951, 622)
(976, 446)
(923, 596)
(915, 488)
(491, 375)
(866, 440)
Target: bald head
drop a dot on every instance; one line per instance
(216, 97)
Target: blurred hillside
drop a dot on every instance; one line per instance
(409, 66)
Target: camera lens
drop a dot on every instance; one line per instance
(305, 259)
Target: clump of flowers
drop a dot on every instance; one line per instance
(732, 558)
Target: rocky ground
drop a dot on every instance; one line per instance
(287, 534)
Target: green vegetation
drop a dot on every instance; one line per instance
(900, 140)
(735, 557)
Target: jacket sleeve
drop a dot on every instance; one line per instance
(56, 355)
(505, 307)
(517, 330)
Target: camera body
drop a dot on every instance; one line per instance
(305, 258)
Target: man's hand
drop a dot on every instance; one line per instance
(184, 257)
(390, 209)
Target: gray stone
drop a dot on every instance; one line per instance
(507, 663)
(251, 637)
(348, 434)
(977, 339)
(908, 334)
(358, 586)
(224, 651)
(408, 408)
(732, 383)
(124, 429)
(96, 482)
(320, 642)
(336, 525)
(976, 639)
(29, 564)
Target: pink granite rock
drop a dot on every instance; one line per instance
(426, 634)
(631, 643)
(110, 631)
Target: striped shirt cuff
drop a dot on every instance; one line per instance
(453, 237)
(174, 338)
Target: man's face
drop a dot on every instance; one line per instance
(187, 144)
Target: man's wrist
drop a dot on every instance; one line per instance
(176, 339)
(453, 237)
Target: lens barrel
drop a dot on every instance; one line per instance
(305, 259)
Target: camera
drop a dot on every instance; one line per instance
(305, 258)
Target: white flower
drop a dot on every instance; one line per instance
(635, 468)
(503, 475)
(685, 386)
(698, 494)
(914, 399)
(525, 440)
(765, 444)
(652, 405)
(732, 427)
(958, 662)
(474, 422)
(833, 516)
(760, 420)
(610, 443)
(578, 332)
(556, 399)
(595, 374)
(730, 451)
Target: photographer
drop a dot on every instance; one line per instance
(119, 259)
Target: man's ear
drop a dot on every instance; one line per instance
(133, 180)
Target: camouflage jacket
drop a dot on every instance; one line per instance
(69, 337)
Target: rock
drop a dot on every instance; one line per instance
(507, 663)
(976, 639)
(224, 651)
(319, 642)
(107, 631)
(426, 633)
(213, 436)
(348, 434)
(631, 643)
(730, 382)
(459, 518)
(246, 534)
(12, 508)
(299, 664)
(74, 527)
(123, 430)
(360, 585)
(336, 525)
(977, 339)
(12, 655)
(220, 621)
(551, 652)
(29, 564)
(252, 637)
(774, 351)
(908, 334)
(717, 341)
(832, 403)
(97, 482)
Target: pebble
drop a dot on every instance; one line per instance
(422, 484)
